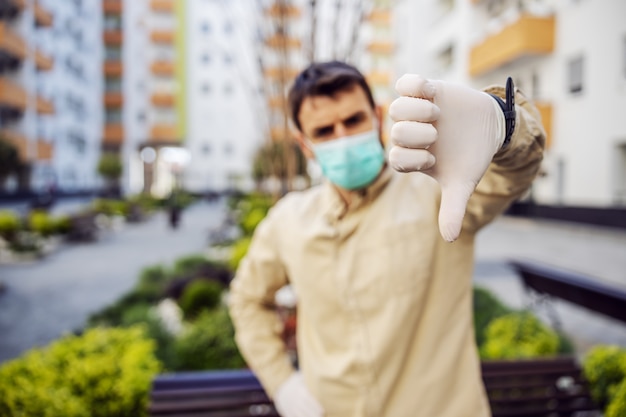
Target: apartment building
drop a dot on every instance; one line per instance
(568, 56)
(48, 93)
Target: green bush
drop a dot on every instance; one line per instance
(617, 406)
(201, 294)
(486, 308)
(518, 335)
(9, 224)
(251, 210)
(152, 283)
(103, 373)
(190, 264)
(605, 369)
(209, 343)
(111, 207)
(239, 250)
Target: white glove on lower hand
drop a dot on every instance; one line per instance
(293, 399)
(449, 132)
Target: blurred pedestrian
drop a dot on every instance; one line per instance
(380, 260)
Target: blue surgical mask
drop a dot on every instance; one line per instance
(351, 162)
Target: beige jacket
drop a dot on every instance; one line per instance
(384, 303)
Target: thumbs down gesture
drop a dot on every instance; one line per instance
(450, 132)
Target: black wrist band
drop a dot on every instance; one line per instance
(508, 108)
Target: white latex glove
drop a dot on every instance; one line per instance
(449, 132)
(293, 399)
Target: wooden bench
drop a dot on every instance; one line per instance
(573, 287)
(527, 388)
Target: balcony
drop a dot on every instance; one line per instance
(112, 7)
(44, 150)
(279, 73)
(162, 68)
(12, 44)
(43, 18)
(163, 133)
(113, 135)
(12, 95)
(113, 37)
(380, 48)
(44, 106)
(19, 141)
(162, 36)
(12, 8)
(545, 110)
(277, 102)
(380, 17)
(113, 99)
(378, 78)
(282, 41)
(42, 61)
(162, 6)
(529, 35)
(113, 69)
(280, 10)
(163, 99)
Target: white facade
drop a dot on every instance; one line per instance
(585, 163)
(225, 123)
(75, 84)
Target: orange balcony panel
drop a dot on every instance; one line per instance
(113, 99)
(113, 69)
(163, 133)
(380, 48)
(280, 133)
(12, 95)
(545, 110)
(279, 10)
(529, 35)
(375, 78)
(163, 6)
(44, 150)
(113, 134)
(281, 73)
(163, 99)
(112, 7)
(277, 102)
(281, 41)
(44, 106)
(113, 37)
(43, 62)
(162, 68)
(43, 18)
(380, 17)
(11, 43)
(18, 4)
(19, 141)
(162, 36)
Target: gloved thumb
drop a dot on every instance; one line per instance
(454, 197)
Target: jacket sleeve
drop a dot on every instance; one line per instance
(252, 308)
(512, 169)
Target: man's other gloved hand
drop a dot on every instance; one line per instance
(449, 132)
(293, 399)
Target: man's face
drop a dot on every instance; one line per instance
(325, 118)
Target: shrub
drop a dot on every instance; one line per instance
(104, 372)
(209, 343)
(518, 335)
(42, 223)
(617, 406)
(9, 224)
(152, 283)
(190, 264)
(200, 295)
(605, 368)
(111, 207)
(239, 250)
(486, 308)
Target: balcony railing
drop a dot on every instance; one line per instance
(281, 41)
(113, 37)
(12, 43)
(279, 10)
(376, 78)
(113, 99)
(279, 73)
(380, 17)
(112, 7)
(113, 69)
(162, 36)
(12, 95)
(163, 133)
(163, 6)
(381, 47)
(163, 99)
(19, 141)
(162, 68)
(529, 35)
(43, 18)
(43, 62)
(44, 150)
(44, 106)
(545, 110)
(113, 134)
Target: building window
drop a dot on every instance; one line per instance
(112, 22)
(113, 53)
(141, 116)
(228, 149)
(228, 27)
(228, 59)
(205, 27)
(113, 116)
(206, 88)
(228, 89)
(113, 84)
(206, 149)
(206, 58)
(575, 75)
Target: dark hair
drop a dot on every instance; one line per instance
(325, 79)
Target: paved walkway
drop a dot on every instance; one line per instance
(46, 299)
(594, 251)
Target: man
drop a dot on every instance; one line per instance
(384, 298)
